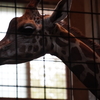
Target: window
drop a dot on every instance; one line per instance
(41, 78)
(49, 75)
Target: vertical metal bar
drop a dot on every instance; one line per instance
(97, 19)
(15, 2)
(70, 63)
(28, 80)
(93, 37)
(42, 8)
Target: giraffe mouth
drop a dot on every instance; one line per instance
(4, 43)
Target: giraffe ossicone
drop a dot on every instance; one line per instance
(33, 35)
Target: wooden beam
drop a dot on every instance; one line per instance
(26, 1)
(26, 99)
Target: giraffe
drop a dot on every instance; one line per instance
(32, 35)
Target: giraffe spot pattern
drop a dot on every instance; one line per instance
(78, 69)
(45, 33)
(91, 82)
(64, 52)
(37, 20)
(52, 46)
(42, 52)
(87, 51)
(22, 48)
(92, 66)
(34, 41)
(55, 53)
(72, 39)
(66, 35)
(43, 41)
(28, 55)
(60, 42)
(75, 54)
(37, 37)
(36, 48)
(30, 48)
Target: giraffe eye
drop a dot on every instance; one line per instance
(29, 29)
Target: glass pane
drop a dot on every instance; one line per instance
(55, 72)
(37, 93)
(48, 72)
(37, 73)
(56, 93)
(10, 78)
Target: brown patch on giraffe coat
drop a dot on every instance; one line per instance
(60, 42)
(42, 51)
(36, 48)
(63, 51)
(78, 69)
(91, 81)
(22, 48)
(28, 55)
(55, 53)
(52, 46)
(93, 66)
(68, 37)
(34, 41)
(75, 54)
(87, 52)
(30, 48)
(43, 41)
(64, 33)
(72, 39)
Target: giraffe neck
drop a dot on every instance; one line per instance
(78, 34)
(65, 44)
(79, 58)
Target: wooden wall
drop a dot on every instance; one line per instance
(78, 21)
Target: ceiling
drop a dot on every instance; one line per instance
(26, 1)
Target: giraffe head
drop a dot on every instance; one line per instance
(25, 35)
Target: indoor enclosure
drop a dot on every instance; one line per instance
(46, 76)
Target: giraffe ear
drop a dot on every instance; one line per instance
(33, 3)
(61, 11)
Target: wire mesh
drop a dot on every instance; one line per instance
(44, 90)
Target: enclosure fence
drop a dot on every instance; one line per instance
(47, 77)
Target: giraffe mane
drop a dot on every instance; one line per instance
(78, 34)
